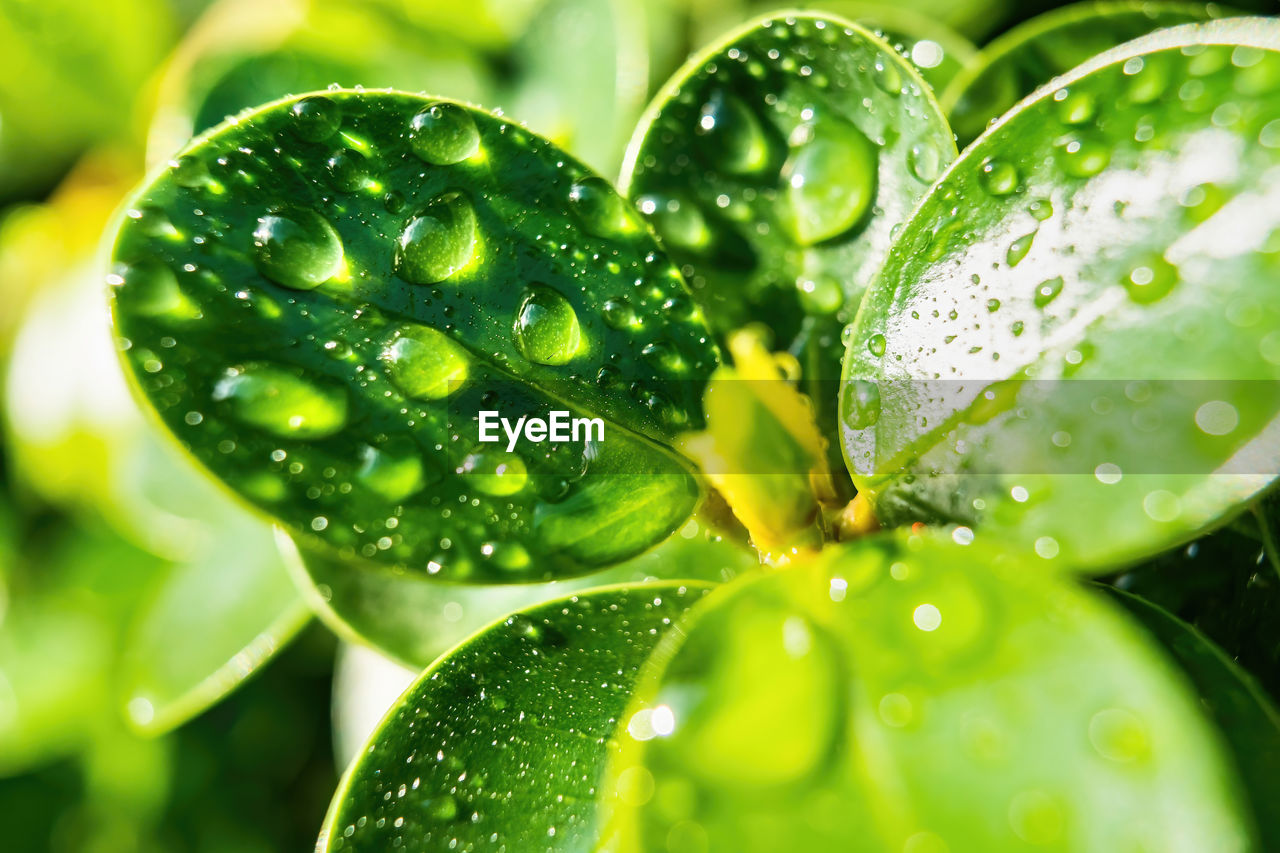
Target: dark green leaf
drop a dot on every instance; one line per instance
(1036, 51)
(1249, 722)
(319, 298)
(775, 166)
(502, 742)
(1072, 344)
(909, 694)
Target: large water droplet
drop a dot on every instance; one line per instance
(1048, 291)
(297, 248)
(887, 75)
(925, 161)
(496, 473)
(316, 118)
(680, 222)
(425, 363)
(346, 171)
(830, 179)
(546, 327)
(444, 134)
(998, 177)
(439, 241)
(600, 209)
(1075, 107)
(730, 136)
(618, 313)
(861, 404)
(1150, 279)
(876, 344)
(1018, 249)
(1084, 157)
(394, 470)
(276, 399)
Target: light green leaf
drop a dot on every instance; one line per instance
(502, 741)
(775, 166)
(323, 337)
(906, 693)
(1071, 346)
(1034, 52)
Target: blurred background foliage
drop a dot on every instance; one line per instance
(134, 594)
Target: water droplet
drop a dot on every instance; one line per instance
(993, 305)
(437, 242)
(276, 399)
(1075, 107)
(1217, 417)
(1048, 291)
(1041, 209)
(600, 209)
(861, 404)
(297, 248)
(1119, 735)
(497, 474)
(876, 344)
(394, 470)
(546, 327)
(346, 171)
(1151, 279)
(821, 295)
(1018, 249)
(151, 289)
(618, 313)
(1084, 157)
(425, 363)
(730, 135)
(1149, 77)
(925, 161)
(887, 76)
(444, 134)
(998, 177)
(680, 222)
(830, 178)
(316, 118)
(664, 355)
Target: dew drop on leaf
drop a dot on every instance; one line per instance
(600, 209)
(297, 248)
(730, 136)
(830, 178)
(546, 327)
(425, 363)
(317, 118)
(861, 405)
(276, 400)
(443, 134)
(438, 241)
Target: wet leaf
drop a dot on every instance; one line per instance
(905, 693)
(775, 166)
(503, 740)
(1246, 717)
(1071, 345)
(414, 620)
(1034, 52)
(323, 338)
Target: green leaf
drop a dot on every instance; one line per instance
(937, 51)
(1036, 51)
(906, 693)
(775, 166)
(322, 337)
(1071, 346)
(414, 620)
(502, 741)
(1246, 717)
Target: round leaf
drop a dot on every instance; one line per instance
(1036, 51)
(775, 166)
(1071, 345)
(319, 297)
(908, 694)
(503, 740)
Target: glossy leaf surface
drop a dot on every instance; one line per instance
(1072, 344)
(502, 742)
(320, 297)
(775, 165)
(414, 620)
(1246, 717)
(1036, 51)
(911, 694)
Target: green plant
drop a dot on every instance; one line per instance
(320, 296)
